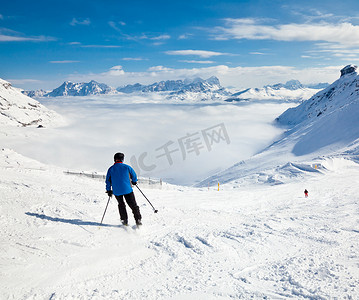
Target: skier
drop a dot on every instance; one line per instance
(306, 193)
(120, 176)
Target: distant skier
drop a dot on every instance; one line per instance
(306, 193)
(120, 176)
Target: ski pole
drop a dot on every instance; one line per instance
(105, 209)
(154, 210)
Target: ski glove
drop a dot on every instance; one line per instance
(109, 193)
(134, 183)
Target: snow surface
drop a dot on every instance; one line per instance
(252, 242)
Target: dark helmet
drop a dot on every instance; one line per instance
(119, 157)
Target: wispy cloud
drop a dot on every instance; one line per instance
(253, 29)
(64, 61)
(100, 46)
(185, 36)
(114, 25)
(258, 53)
(143, 36)
(160, 37)
(200, 53)
(198, 61)
(78, 44)
(23, 81)
(76, 21)
(8, 35)
(133, 58)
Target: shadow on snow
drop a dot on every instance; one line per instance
(68, 221)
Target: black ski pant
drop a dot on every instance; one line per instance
(131, 201)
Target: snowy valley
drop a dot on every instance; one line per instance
(234, 223)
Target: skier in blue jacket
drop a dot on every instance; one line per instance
(119, 177)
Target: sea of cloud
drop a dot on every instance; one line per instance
(179, 142)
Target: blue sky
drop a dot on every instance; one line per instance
(245, 43)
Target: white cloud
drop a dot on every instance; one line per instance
(24, 81)
(133, 58)
(159, 69)
(161, 37)
(116, 71)
(345, 33)
(114, 25)
(64, 61)
(334, 51)
(258, 53)
(8, 35)
(200, 53)
(75, 22)
(11, 38)
(198, 61)
(185, 36)
(101, 46)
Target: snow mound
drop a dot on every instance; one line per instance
(17, 109)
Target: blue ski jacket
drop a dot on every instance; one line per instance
(119, 176)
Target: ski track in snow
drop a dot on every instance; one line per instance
(249, 242)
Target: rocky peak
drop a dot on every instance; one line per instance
(349, 69)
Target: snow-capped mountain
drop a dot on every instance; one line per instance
(196, 89)
(195, 85)
(69, 88)
(323, 126)
(292, 90)
(35, 94)
(20, 110)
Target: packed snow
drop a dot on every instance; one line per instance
(249, 242)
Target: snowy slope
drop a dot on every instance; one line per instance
(20, 110)
(325, 125)
(343, 92)
(268, 242)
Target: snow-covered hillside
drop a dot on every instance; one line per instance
(20, 110)
(325, 125)
(264, 243)
(337, 96)
(292, 90)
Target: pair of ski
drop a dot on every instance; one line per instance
(126, 227)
